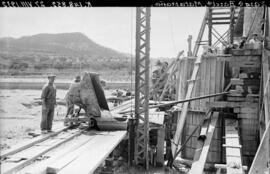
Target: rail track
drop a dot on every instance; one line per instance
(63, 151)
(14, 160)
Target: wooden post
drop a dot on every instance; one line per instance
(189, 45)
(266, 92)
(131, 140)
(232, 10)
(160, 146)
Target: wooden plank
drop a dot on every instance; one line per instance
(19, 166)
(66, 159)
(242, 58)
(208, 77)
(179, 80)
(124, 105)
(223, 166)
(193, 94)
(266, 90)
(248, 110)
(246, 64)
(247, 52)
(198, 165)
(200, 140)
(213, 63)
(41, 167)
(218, 78)
(259, 164)
(92, 158)
(224, 104)
(202, 81)
(221, 18)
(233, 150)
(197, 91)
(220, 23)
(221, 13)
(160, 146)
(31, 142)
(252, 116)
(181, 120)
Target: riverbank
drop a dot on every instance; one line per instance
(37, 83)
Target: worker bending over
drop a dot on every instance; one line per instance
(71, 94)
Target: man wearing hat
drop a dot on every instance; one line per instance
(48, 98)
(255, 41)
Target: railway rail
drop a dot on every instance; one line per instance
(13, 161)
(61, 151)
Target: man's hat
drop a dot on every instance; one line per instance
(51, 75)
(78, 77)
(158, 63)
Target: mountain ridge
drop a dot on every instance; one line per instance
(60, 44)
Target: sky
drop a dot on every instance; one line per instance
(113, 27)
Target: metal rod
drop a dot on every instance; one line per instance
(181, 101)
(188, 100)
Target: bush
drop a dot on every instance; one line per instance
(18, 66)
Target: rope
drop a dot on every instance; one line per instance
(171, 27)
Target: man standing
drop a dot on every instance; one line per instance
(48, 98)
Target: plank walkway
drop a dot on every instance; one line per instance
(26, 144)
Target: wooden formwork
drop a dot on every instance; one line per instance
(210, 80)
(248, 62)
(243, 69)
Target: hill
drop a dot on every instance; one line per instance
(64, 44)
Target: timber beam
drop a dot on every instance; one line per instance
(204, 146)
(233, 148)
(225, 104)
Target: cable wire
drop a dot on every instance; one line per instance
(131, 50)
(171, 28)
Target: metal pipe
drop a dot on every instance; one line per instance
(181, 101)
